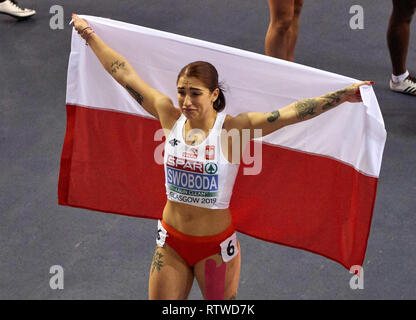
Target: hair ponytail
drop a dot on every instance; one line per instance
(219, 104)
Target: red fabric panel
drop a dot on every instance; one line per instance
(108, 165)
(300, 200)
(306, 201)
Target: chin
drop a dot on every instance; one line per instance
(190, 115)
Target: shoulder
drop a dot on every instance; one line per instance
(237, 122)
(228, 121)
(168, 113)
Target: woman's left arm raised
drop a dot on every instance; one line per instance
(295, 112)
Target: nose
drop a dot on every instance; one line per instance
(187, 101)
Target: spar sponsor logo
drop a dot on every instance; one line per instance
(211, 168)
(185, 164)
(192, 180)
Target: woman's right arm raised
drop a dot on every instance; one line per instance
(153, 101)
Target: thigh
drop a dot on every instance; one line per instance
(404, 8)
(170, 276)
(281, 9)
(217, 279)
(298, 6)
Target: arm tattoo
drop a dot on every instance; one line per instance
(275, 115)
(135, 94)
(333, 99)
(157, 262)
(116, 65)
(306, 107)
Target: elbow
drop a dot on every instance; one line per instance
(120, 76)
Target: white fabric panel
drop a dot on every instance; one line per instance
(351, 133)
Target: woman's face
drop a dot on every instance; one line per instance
(194, 99)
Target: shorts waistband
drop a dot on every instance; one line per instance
(216, 237)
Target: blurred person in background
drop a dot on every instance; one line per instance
(398, 35)
(283, 28)
(11, 8)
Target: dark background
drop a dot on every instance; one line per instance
(108, 256)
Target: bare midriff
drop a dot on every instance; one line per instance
(196, 221)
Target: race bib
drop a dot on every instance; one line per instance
(161, 234)
(229, 248)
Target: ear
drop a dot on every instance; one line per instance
(215, 94)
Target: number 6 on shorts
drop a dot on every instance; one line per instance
(229, 248)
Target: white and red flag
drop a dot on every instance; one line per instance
(317, 185)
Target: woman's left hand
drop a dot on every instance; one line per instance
(353, 94)
(81, 26)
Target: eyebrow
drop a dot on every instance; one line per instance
(192, 88)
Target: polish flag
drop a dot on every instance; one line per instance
(314, 188)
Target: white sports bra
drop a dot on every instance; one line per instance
(198, 175)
